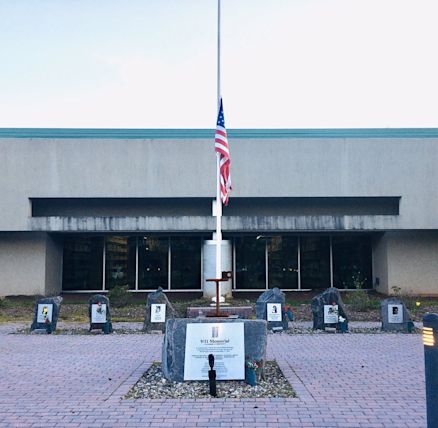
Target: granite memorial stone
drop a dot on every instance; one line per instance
(328, 310)
(46, 315)
(99, 313)
(270, 307)
(395, 316)
(158, 310)
(174, 344)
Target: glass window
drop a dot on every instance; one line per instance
(282, 262)
(82, 263)
(120, 261)
(250, 262)
(185, 263)
(352, 261)
(315, 262)
(153, 262)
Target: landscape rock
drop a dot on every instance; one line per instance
(327, 297)
(274, 295)
(46, 314)
(173, 351)
(105, 314)
(395, 316)
(156, 298)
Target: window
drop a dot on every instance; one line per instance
(153, 263)
(83, 263)
(250, 262)
(120, 261)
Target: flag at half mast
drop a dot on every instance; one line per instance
(221, 147)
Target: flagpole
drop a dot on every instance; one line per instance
(218, 188)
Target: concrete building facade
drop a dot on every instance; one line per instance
(86, 210)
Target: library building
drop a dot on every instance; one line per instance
(85, 210)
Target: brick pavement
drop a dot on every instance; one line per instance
(356, 380)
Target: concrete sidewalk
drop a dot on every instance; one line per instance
(356, 380)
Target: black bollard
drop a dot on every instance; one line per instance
(212, 376)
(430, 342)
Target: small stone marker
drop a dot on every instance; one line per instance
(269, 307)
(46, 315)
(327, 308)
(395, 316)
(158, 310)
(99, 313)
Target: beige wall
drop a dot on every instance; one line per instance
(408, 260)
(30, 264)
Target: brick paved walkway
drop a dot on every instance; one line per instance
(355, 380)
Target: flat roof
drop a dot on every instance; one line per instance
(101, 133)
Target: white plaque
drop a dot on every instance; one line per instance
(273, 311)
(226, 341)
(98, 313)
(158, 312)
(395, 314)
(45, 311)
(331, 314)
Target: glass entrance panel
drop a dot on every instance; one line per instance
(82, 263)
(250, 262)
(153, 263)
(120, 261)
(186, 263)
(283, 262)
(315, 262)
(352, 266)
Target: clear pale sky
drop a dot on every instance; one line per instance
(152, 63)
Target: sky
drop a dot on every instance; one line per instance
(153, 63)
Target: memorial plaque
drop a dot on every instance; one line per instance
(273, 311)
(158, 312)
(395, 314)
(98, 313)
(45, 311)
(226, 341)
(331, 314)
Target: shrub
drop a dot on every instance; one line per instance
(119, 296)
(360, 301)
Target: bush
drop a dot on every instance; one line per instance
(359, 301)
(119, 296)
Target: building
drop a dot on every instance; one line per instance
(84, 210)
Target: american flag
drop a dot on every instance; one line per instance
(221, 147)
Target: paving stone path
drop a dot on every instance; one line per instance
(356, 380)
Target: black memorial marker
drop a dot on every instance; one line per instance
(46, 314)
(99, 313)
(212, 376)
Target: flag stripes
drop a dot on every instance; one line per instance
(221, 146)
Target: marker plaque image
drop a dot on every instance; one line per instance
(158, 312)
(273, 311)
(395, 314)
(226, 341)
(45, 312)
(331, 314)
(98, 313)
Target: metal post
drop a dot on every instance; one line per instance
(218, 173)
(430, 342)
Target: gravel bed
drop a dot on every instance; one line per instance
(153, 385)
(305, 327)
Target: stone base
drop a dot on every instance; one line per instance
(245, 312)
